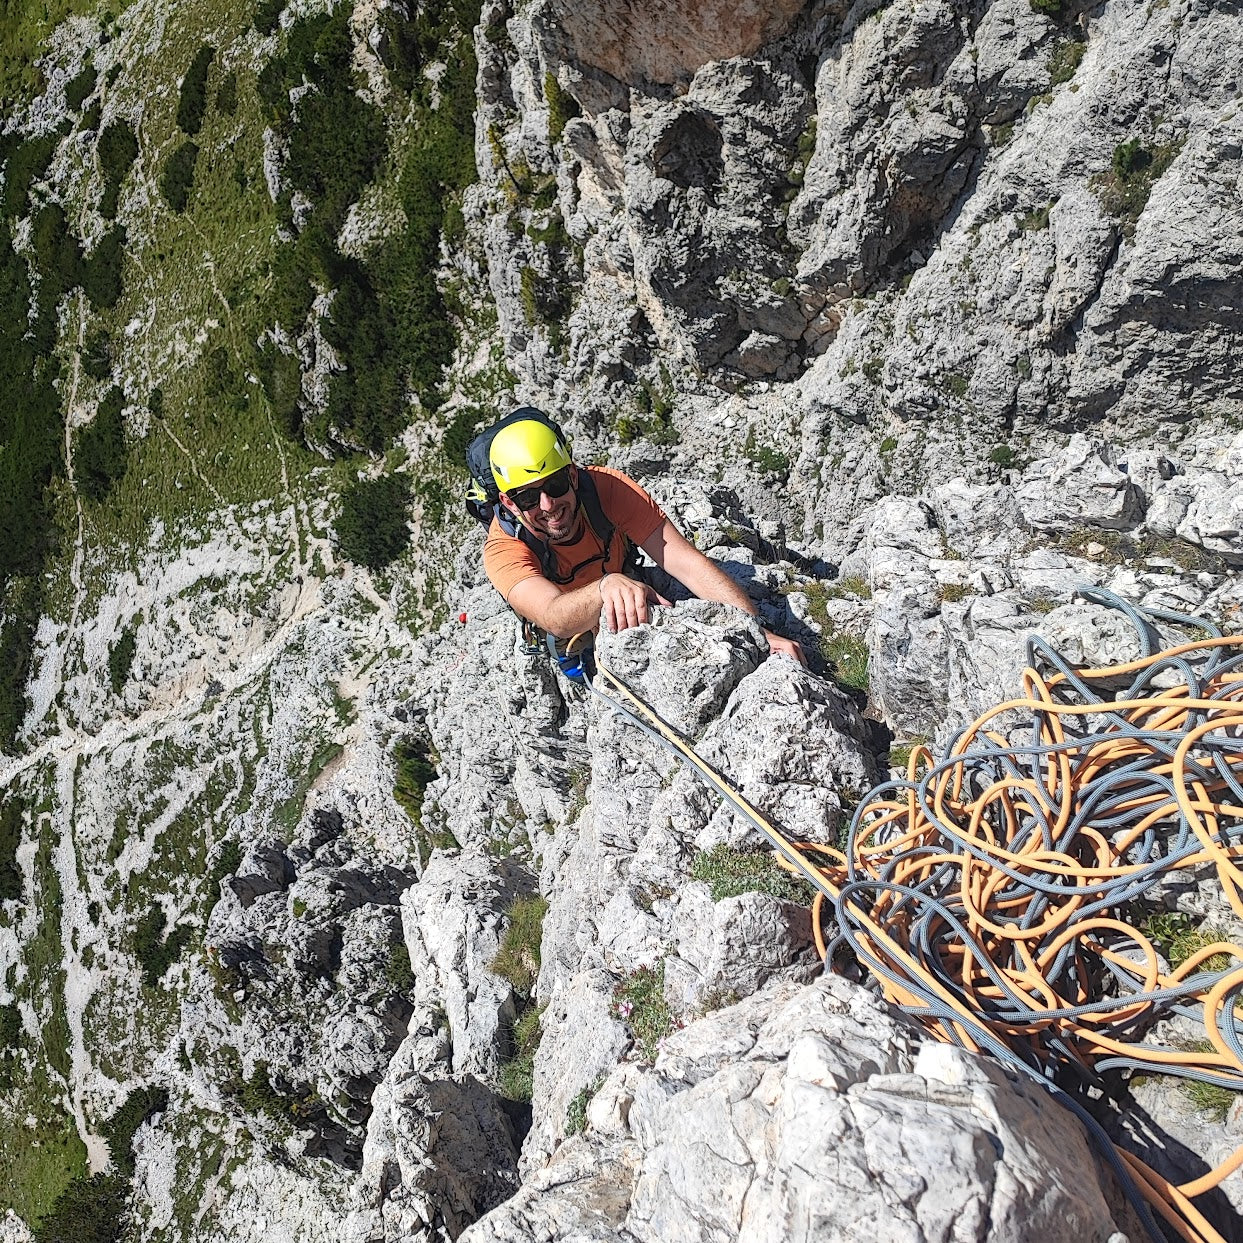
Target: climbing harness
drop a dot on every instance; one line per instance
(992, 894)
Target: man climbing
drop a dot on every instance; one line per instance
(585, 523)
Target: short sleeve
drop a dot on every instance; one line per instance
(507, 560)
(628, 505)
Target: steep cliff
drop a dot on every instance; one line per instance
(327, 911)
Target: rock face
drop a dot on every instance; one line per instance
(920, 318)
(811, 1113)
(965, 232)
(664, 43)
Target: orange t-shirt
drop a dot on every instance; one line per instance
(627, 506)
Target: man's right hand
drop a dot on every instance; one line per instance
(625, 601)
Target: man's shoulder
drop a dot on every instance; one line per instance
(612, 482)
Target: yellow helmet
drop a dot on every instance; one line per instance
(526, 452)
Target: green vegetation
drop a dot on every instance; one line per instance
(398, 973)
(102, 279)
(99, 457)
(388, 323)
(373, 528)
(951, 593)
(1133, 172)
(844, 588)
(888, 446)
(1048, 8)
(562, 106)
(517, 961)
(268, 16)
(1178, 937)
(178, 176)
(576, 1111)
(1065, 60)
(10, 1037)
(119, 1130)
(12, 819)
(1036, 219)
(764, 457)
(517, 1072)
(31, 429)
(1003, 456)
(89, 1210)
(192, 99)
(639, 1001)
(415, 771)
(121, 658)
(847, 654)
(654, 417)
(518, 958)
(81, 87)
(155, 952)
(730, 872)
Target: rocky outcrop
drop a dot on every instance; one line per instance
(812, 1113)
(301, 983)
(954, 230)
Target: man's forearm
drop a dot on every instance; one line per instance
(574, 612)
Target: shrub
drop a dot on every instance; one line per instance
(1036, 219)
(99, 456)
(1065, 61)
(1049, 8)
(97, 355)
(81, 87)
(576, 1112)
(192, 100)
(518, 958)
(89, 1210)
(101, 275)
(155, 952)
(24, 164)
(639, 1000)
(140, 1105)
(1003, 456)
(178, 176)
(731, 872)
(118, 149)
(562, 106)
(226, 94)
(12, 820)
(372, 529)
(460, 432)
(765, 456)
(268, 16)
(281, 377)
(1134, 170)
(398, 973)
(121, 658)
(517, 1072)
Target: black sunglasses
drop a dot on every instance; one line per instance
(552, 487)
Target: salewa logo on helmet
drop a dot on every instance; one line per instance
(525, 452)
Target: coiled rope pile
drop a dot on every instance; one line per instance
(990, 893)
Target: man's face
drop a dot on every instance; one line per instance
(554, 518)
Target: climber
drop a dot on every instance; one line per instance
(568, 553)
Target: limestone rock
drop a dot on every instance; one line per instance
(1082, 486)
(783, 1118)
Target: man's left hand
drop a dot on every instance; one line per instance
(781, 646)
